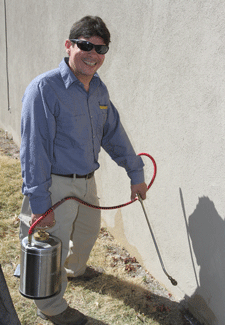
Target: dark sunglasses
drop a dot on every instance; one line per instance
(88, 46)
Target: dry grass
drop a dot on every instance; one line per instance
(113, 298)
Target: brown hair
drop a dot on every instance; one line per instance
(90, 26)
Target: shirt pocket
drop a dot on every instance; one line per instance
(102, 117)
(72, 128)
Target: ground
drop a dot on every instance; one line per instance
(125, 286)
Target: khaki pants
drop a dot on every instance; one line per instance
(76, 225)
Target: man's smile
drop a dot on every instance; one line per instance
(90, 63)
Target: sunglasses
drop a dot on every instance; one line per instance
(88, 46)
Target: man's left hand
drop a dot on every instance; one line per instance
(139, 189)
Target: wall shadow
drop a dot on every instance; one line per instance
(206, 229)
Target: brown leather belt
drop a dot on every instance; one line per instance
(87, 176)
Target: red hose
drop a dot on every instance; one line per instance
(91, 205)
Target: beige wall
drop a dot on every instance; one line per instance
(3, 87)
(165, 74)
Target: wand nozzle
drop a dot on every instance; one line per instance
(173, 281)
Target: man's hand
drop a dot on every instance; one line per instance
(48, 221)
(139, 189)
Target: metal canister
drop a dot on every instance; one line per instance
(40, 266)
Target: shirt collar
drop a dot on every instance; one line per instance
(69, 77)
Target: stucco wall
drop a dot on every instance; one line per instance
(3, 69)
(165, 74)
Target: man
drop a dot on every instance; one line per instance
(67, 117)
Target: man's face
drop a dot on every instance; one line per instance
(82, 63)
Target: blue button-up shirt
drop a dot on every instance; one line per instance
(63, 128)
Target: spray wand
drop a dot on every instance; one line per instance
(173, 281)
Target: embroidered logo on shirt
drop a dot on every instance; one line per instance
(103, 107)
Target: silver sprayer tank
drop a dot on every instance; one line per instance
(40, 266)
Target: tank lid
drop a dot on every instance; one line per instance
(41, 235)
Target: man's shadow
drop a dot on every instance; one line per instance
(207, 232)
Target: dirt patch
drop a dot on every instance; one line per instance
(7, 146)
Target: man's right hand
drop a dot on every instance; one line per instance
(48, 221)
